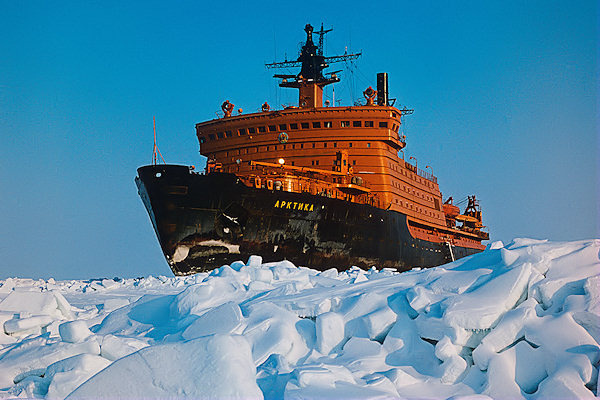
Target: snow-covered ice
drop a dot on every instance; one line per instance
(520, 320)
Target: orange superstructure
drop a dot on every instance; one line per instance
(327, 150)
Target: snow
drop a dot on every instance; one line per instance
(329, 331)
(218, 366)
(520, 320)
(74, 331)
(226, 318)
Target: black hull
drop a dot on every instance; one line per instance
(205, 221)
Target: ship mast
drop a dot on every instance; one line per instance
(156, 151)
(310, 80)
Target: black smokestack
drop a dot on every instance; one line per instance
(382, 89)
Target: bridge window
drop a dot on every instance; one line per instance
(313, 145)
(304, 125)
(327, 124)
(325, 144)
(316, 124)
(350, 144)
(301, 145)
(261, 129)
(334, 144)
(345, 124)
(228, 134)
(202, 139)
(220, 135)
(383, 124)
(368, 144)
(211, 136)
(272, 128)
(356, 124)
(293, 126)
(242, 131)
(283, 127)
(368, 124)
(251, 130)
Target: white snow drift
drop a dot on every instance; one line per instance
(516, 321)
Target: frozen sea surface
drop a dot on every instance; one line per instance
(516, 321)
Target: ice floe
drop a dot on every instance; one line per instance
(520, 320)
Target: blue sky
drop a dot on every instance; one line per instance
(505, 96)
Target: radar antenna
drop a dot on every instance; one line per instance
(308, 55)
(310, 80)
(321, 36)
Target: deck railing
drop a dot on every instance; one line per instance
(420, 172)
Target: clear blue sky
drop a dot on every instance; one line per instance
(505, 96)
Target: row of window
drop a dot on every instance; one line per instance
(411, 191)
(409, 205)
(294, 126)
(292, 146)
(358, 124)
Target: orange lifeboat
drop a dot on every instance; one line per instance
(450, 210)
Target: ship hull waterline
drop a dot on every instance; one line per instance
(205, 221)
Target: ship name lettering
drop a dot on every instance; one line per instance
(294, 205)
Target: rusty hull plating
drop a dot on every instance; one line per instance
(321, 186)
